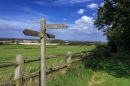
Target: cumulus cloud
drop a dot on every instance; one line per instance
(92, 6)
(81, 11)
(85, 30)
(82, 29)
(84, 25)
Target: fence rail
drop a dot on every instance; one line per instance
(19, 77)
(8, 64)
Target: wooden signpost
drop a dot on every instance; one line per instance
(43, 35)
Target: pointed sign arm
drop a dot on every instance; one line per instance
(56, 26)
(29, 32)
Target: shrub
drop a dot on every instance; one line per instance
(101, 50)
(1, 43)
(113, 45)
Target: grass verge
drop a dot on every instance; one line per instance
(77, 75)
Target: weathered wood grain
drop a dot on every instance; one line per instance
(56, 26)
(29, 32)
(43, 52)
(8, 64)
(19, 70)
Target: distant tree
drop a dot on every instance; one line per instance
(13, 40)
(114, 16)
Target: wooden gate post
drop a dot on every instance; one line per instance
(43, 52)
(19, 70)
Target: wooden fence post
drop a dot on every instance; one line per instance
(84, 53)
(68, 58)
(19, 70)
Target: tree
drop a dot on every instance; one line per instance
(114, 17)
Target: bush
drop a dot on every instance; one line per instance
(113, 45)
(101, 52)
(1, 43)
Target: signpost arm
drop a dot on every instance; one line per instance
(43, 52)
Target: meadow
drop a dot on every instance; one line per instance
(8, 54)
(111, 71)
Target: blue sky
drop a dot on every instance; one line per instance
(16, 15)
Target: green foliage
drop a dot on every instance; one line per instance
(114, 16)
(101, 52)
(113, 45)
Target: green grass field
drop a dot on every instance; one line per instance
(111, 71)
(77, 75)
(8, 53)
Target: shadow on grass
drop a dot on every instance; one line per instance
(115, 67)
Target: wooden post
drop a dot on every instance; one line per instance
(19, 70)
(43, 52)
(84, 53)
(68, 58)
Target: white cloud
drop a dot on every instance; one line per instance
(92, 6)
(84, 25)
(82, 29)
(81, 11)
(102, 4)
